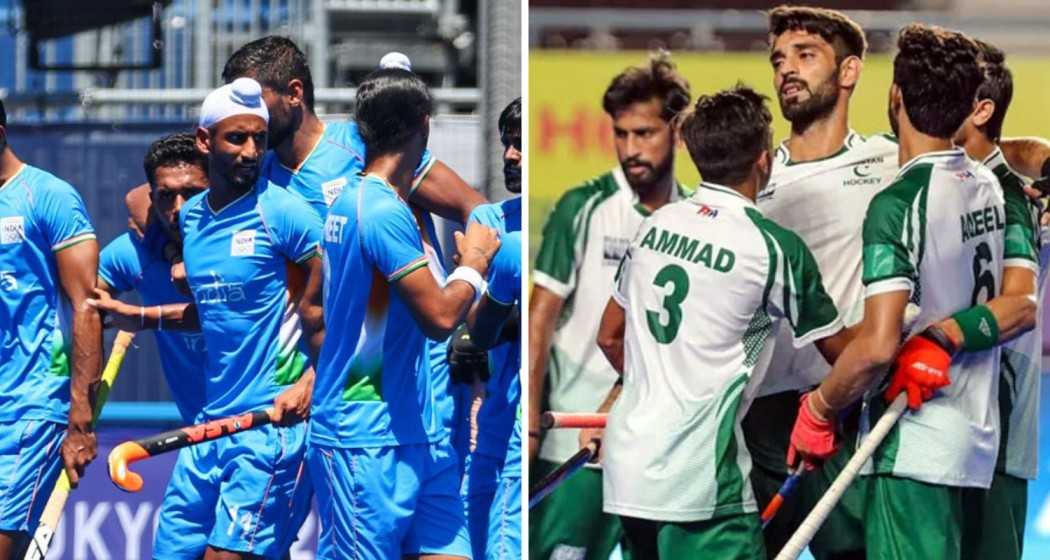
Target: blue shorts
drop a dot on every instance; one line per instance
(387, 502)
(480, 482)
(505, 521)
(29, 465)
(248, 492)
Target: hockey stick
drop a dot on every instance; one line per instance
(830, 499)
(552, 420)
(132, 451)
(785, 491)
(45, 531)
(551, 482)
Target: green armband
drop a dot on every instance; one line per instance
(979, 328)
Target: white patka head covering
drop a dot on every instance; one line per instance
(242, 96)
(395, 60)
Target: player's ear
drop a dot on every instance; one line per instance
(895, 98)
(203, 140)
(983, 111)
(849, 71)
(295, 92)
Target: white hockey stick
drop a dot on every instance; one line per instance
(830, 499)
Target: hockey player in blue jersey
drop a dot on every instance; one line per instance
(493, 465)
(383, 470)
(49, 340)
(242, 240)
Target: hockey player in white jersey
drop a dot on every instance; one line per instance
(1002, 535)
(824, 177)
(583, 241)
(696, 298)
(943, 212)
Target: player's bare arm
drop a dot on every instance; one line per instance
(134, 318)
(610, 341)
(611, 334)
(439, 310)
(867, 356)
(295, 400)
(1014, 309)
(77, 269)
(443, 192)
(1029, 155)
(137, 202)
(544, 308)
(486, 320)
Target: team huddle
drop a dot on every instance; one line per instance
(763, 324)
(288, 264)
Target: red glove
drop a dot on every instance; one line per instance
(812, 439)
(922, 367)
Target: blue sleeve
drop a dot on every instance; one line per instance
(424, 166)
(63, 215)
(505, 271)
(390, 238)
(490, 215)
(297, 229)
(118, 264)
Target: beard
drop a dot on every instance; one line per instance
(244, 181)
(657, 173)
(512, 176)
(278, 132)
(821, 102)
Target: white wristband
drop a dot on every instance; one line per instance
(470, 276)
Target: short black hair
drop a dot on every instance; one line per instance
(726, 132)
(638, 84)
(392, 105)
(997, 85)
(3, 114)
(937, 73)
(842, 33)
(172, 151)
(273, 61)
(510, 118)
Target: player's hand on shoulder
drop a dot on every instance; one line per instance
(922, 367)
(477, 246)
(116, 313)
(813, 438)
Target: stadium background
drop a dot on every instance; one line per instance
(92, 128)
(577, 46)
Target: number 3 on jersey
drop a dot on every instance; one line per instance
(665, 331)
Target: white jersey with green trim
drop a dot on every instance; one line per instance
(1022, 357)
(938, 233)
(701, 285)
(824, 202)
(583, 242)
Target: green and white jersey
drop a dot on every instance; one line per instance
(938, 233)
(824, 202)
(583, 242)
(702, 284)
(1021, 364)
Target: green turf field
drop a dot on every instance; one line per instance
(570, 139)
